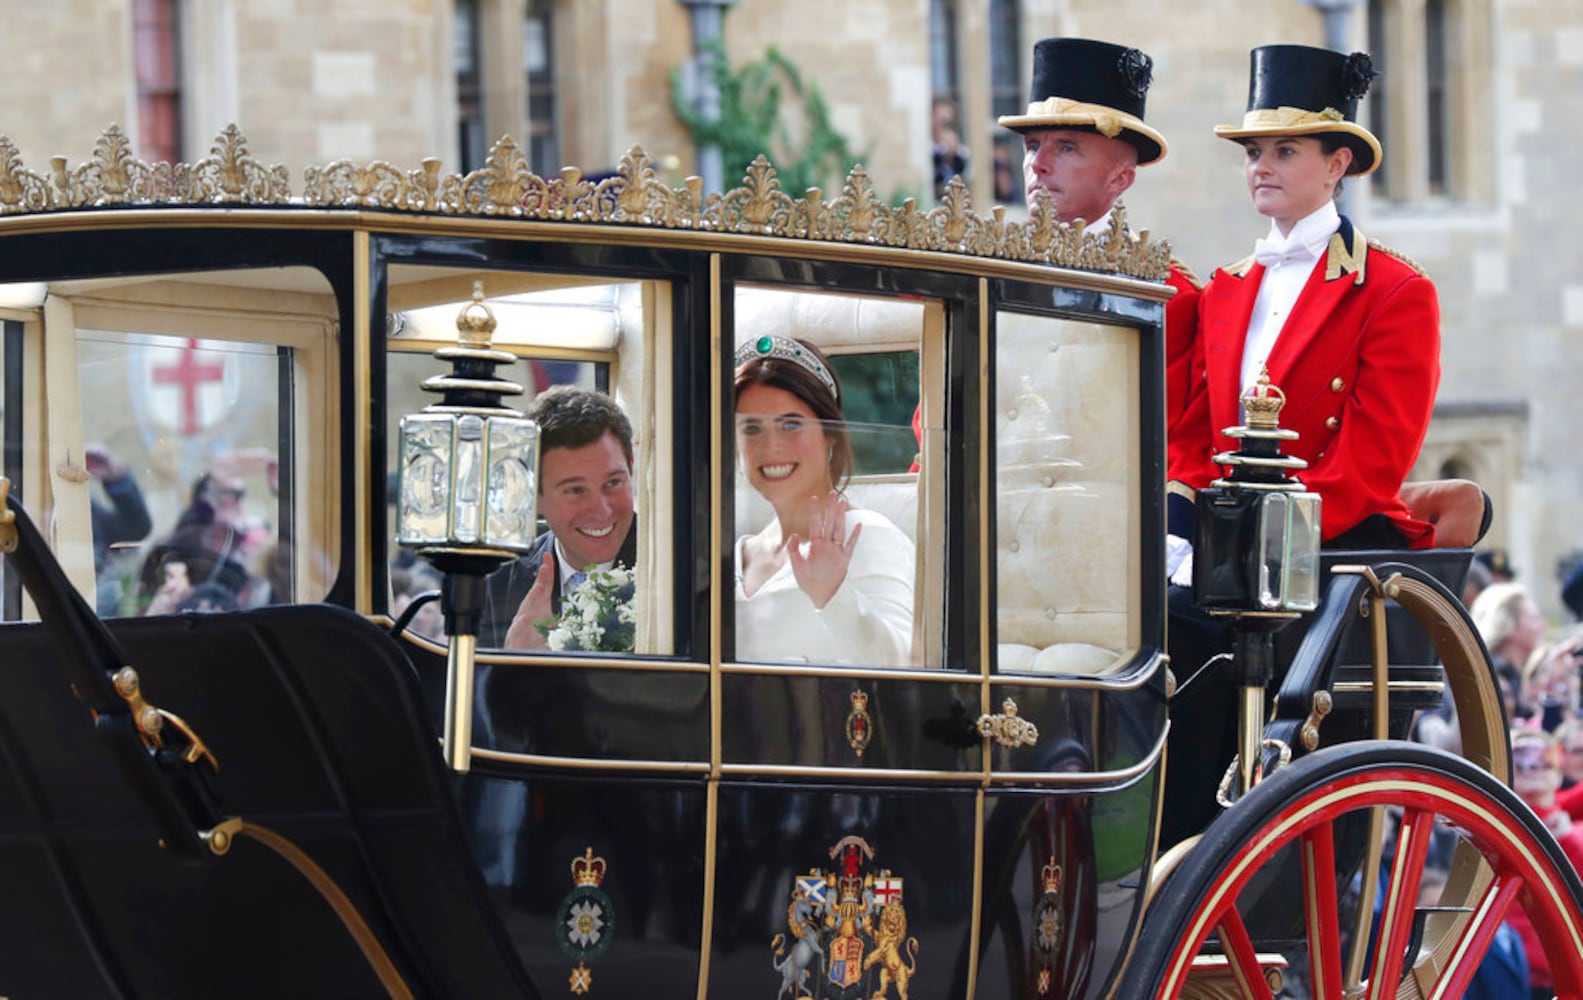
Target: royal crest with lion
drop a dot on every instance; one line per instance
(846, 932)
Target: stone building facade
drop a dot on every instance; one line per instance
(1480, 111)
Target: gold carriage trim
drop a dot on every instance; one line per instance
(635, 195)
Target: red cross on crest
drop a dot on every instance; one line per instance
(188, 376)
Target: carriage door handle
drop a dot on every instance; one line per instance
(1008, 729)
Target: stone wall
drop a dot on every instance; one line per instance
(374, 78)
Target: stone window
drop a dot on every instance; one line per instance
(156, 57)
(1430, 106)
(980, 48)
(1008, 95)
(473, 145)
(538, 60)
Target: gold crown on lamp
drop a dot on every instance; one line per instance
(1262, 403)
(1051, 876)
(475, 324)
(588, 870)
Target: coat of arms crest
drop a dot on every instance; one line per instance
(846, 936)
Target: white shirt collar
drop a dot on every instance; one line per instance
(1101, 225)
(1307, 240)
(565, 569)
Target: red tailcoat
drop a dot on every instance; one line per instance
(1181, 330)
(1359, 361)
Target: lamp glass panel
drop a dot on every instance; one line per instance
(468, 486)
(512, 486)
(425, 478)
(1302, 563)
(1273, 527)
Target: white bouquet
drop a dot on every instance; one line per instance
(598, 616)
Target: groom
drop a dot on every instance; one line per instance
(585, 496)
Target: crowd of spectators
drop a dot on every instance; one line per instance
(1537, 665)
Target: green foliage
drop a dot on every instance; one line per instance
(753, 121)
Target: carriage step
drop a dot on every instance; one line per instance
(1411, 687)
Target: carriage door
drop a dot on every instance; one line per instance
(1075, 709)
(585, 800)
(848, 794)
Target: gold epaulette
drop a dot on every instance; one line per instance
(1187, 272)
(1240, 268)
(1382, 248)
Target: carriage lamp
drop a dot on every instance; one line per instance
(1256, 559)
(1256, 549)
(467, 494)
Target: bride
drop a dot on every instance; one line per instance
(823, 582)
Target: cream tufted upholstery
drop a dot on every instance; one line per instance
(839, 324)
(1066, 485)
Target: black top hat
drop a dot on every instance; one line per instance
(1301, 90)
(1095, 86)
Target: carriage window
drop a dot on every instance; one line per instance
(191, 391)
(1067, 495)
(580, 347)
(862, 602)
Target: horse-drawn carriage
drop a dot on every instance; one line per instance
(255, 801)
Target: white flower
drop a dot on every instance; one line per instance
(585, 923)
(599, 616)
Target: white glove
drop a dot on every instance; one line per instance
(1179, 560)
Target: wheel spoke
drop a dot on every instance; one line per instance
(1477, 934)
(1241, 956)
(1401, 901)
(1358, 949)
(1324, 922)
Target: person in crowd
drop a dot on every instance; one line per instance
(950, 153)
(124, 519)
(1084, 139)
(1536, 776)
(1569, 748)
(1498, 563)
(823, 581)
(585, 499)
(1550, 680)
(1572, 590)
(210, 544)
(1569, 744)
(1473, 585)
(1512, 628)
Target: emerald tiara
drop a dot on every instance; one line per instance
(767, 347)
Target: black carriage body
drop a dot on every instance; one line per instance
(710, 793)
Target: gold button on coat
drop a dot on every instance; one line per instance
(1336, 385)
(1332, 423)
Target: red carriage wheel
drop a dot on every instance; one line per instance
(1274, 883)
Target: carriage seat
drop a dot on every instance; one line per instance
(1067, 544)
(1459, 509)
(318, 724)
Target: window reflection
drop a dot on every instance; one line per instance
(185, 496)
